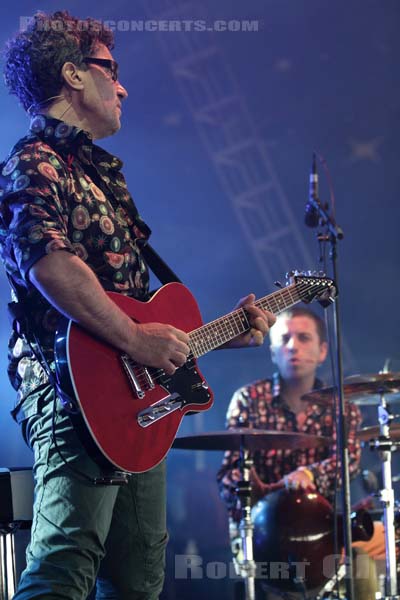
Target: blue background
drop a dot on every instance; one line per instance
(317, 75)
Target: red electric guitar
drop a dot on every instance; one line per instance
(128, 414)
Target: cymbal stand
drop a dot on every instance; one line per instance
(246, 527)
(386, 446)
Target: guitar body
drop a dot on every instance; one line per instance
(113, 398)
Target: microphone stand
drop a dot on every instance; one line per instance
(335, 233)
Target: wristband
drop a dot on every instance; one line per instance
(309, 473)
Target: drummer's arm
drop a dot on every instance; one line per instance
(325, 473)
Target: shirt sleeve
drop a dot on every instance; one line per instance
(33, 209)
(327, 476)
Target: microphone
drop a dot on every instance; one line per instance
(311, 218)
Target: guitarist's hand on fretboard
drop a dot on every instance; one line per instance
(260, 322)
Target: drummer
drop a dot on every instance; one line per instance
(298, 347)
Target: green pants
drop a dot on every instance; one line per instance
(80, 530)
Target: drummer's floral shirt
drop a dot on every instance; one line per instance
(260, 406)
(61, 192)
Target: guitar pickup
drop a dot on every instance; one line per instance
(202, 385)
(159, 410)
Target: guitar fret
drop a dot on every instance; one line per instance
(231, 328)
(244, 320)
(233, 323)
(270, 305)
(198, 348)
(281, 300)
(218, 332)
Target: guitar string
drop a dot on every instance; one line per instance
(157, 374)
(267, 300)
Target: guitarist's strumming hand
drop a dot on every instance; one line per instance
(73, 289)
(260, 320)
(159, 345)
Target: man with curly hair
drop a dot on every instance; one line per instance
(69, 230)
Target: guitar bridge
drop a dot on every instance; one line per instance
(159, 410)
(129, 367)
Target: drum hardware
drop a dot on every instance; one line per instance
(369, 433)
(331, 584)
(243, 490)
(251, 439)
(296, 529)
(371, 390)
(363, 390)
(16, 502)
(247, 441)
(386, 445)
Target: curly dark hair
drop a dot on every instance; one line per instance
(34, 58)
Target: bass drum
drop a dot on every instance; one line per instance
(294, 539)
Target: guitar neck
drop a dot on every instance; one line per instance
(217, 333)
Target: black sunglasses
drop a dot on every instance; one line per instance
(107, 63)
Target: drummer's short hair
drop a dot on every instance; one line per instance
(302, 311)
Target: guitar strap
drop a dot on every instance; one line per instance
(18, 312)
(159, 267)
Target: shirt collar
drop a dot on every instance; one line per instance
(66, 139)
(59, 134)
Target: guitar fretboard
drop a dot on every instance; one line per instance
(226, 328)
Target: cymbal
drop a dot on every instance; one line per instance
(364, 390)
(368, 433)
(251, 439)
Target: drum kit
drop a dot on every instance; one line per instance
(257, 541)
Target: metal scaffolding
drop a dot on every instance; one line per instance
(234, 146)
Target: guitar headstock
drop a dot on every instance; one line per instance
(313, 285)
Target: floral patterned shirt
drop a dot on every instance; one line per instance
(60, 191)
(260, 406)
